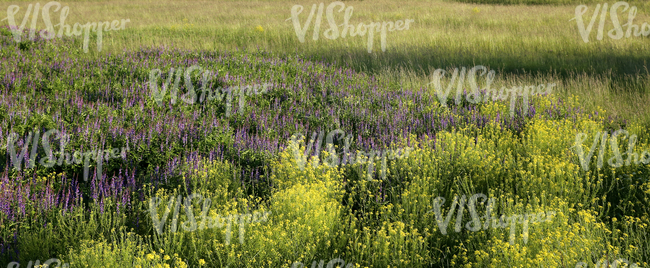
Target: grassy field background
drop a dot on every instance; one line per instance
(523, 43)
(529, 41)
(380, 97)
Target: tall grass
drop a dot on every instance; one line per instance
(511, 39)
(244, 162)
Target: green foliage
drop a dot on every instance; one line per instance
(527, 164)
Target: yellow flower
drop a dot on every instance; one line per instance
(201, 262)
(476, 10)
(259, 28)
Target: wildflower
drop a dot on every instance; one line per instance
(259, 28)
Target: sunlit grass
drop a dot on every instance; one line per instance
(324, 212)
(511, 39)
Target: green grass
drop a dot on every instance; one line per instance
(514, 40)
(322, 213)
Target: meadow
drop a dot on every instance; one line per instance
(224, 182)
